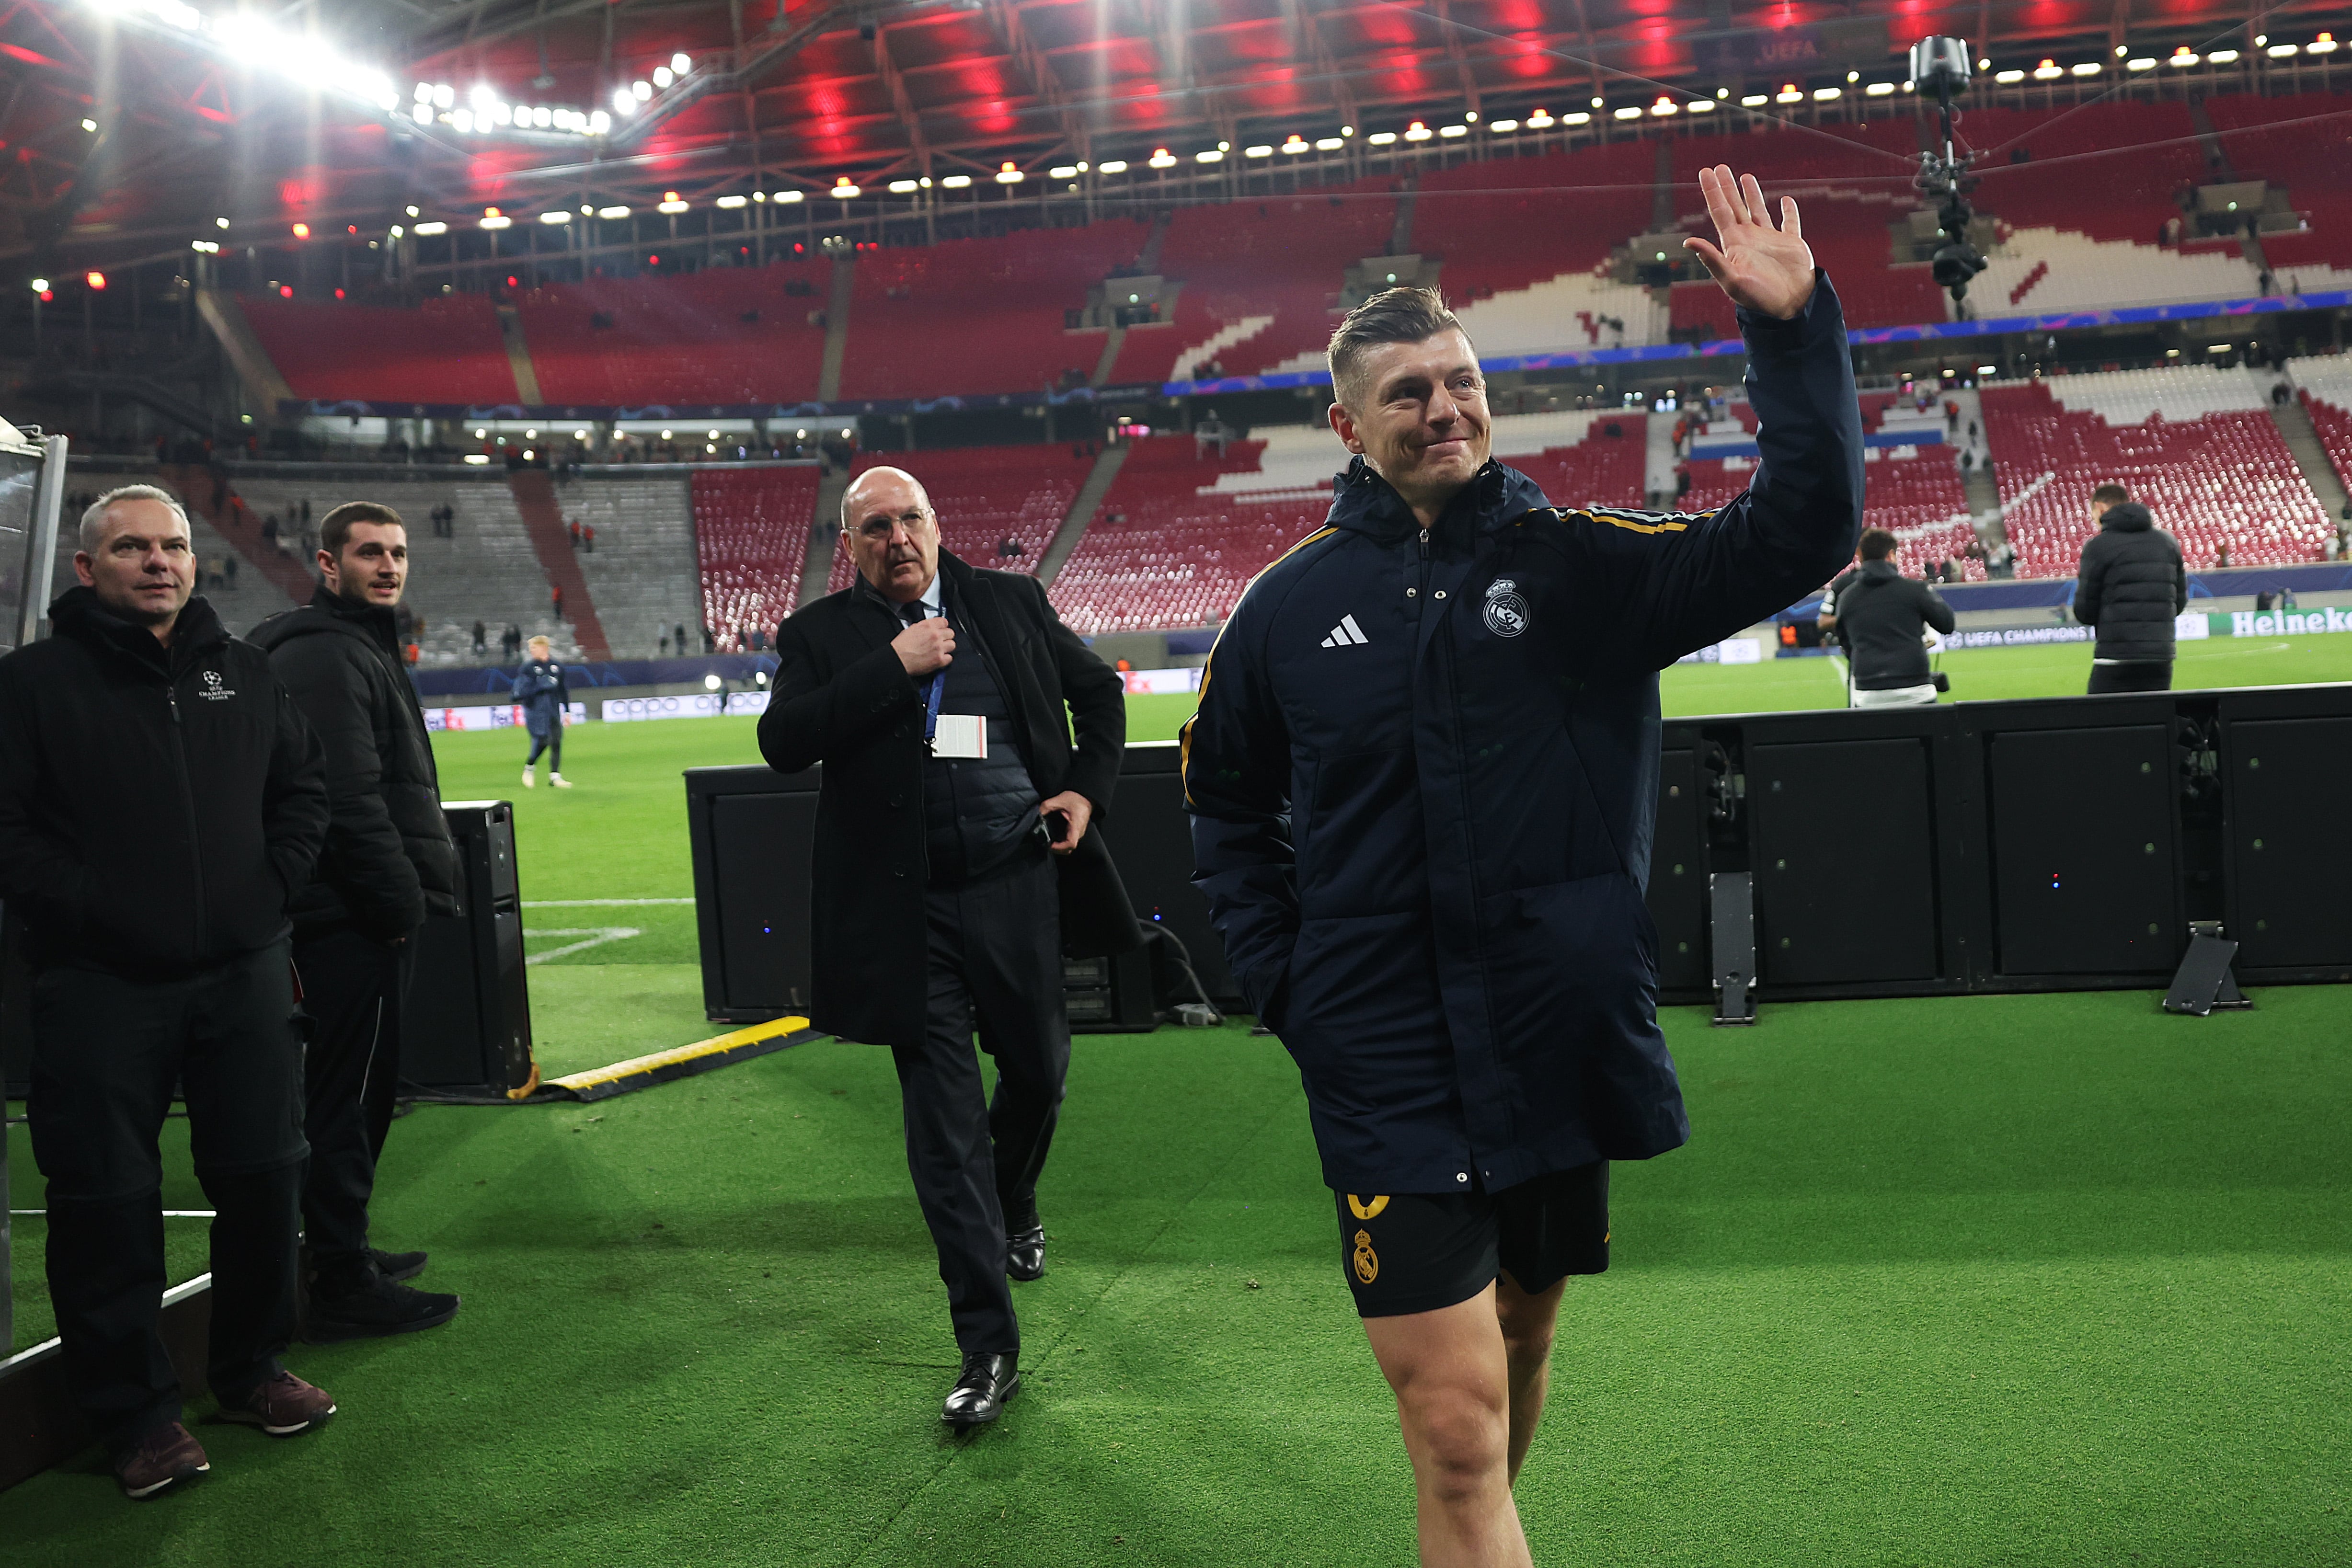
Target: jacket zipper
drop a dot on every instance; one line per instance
(188, 800)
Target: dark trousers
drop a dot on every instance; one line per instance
(105, 1054)
(2138, 675)
(353, 988)
(550, 743)
(994, 970)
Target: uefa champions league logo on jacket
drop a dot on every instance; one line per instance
(213, 689)
(1506, 613)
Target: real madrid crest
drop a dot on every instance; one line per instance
(1506, 613)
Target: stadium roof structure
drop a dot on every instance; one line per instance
(126, 125)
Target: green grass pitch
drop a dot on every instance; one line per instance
(1984, 1281)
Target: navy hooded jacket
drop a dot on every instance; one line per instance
(1423, 778)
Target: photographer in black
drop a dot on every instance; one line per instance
(1882, 616)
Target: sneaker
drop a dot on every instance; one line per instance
(164, 1458)
(375, 1310)
(398, 1266)
(285, 1406)
(528, 781)
(559, 780)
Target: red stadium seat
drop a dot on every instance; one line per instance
(751, 538)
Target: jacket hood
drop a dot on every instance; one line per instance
(77, 612)
(2127, 518)
(1879, 571)
(1364, 502)
(326, 612)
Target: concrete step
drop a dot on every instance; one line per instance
(1082, 507)
(825, 536)
(2293, 422)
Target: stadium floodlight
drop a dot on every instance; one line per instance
(672, 203)
(1540, 120)
(643, 92)
(2008, 78)
(2093, 68)
(788, 197)
(1207, 155)
(586, 211)
(40, 285)
(612, 211)
(560, 215)
(210, 248)
(1009, 175)
(1330, 143)
(680, 64)
(1788, 94)
(903, 187)
(2323, 45)
(1573, 117)
(599, 122)
(663, 77)
(422, 114)
(394, 231)
(711, 683)
(496, 219)
(957, 182)
(1502, 127)
(1452, 131)
(731, 203)
(1417, 131)
(1382, 138)
(1754, 101)
(2281, 51)
(2140, 63)
(301, 231)
(2047, 71)
(428, 231)
(1111, 166)
(1060, 171)
(1699, 106)
(1828, 94)
(1666, 106)
(1161, 158)
(1630, 111)
(843, 189)
(1294, 145)
(624, 100)
(2182, 58)
(1256, 150)
(1879, 90)
(462, 120)
(412, 212)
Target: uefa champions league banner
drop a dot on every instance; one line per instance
(506, 715)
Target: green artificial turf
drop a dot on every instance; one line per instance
(2003, 1279)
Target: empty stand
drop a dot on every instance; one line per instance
(1259, 278)
(723, 335)
(2045, 270)
(2302, 143)
(641, 572)
(2194, 444)
(2323, 385)
(2111, 172)
(973, 317)
(751, 536)
(448, 351)
(984, 497)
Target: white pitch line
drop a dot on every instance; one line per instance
(597, 936)
(595, 903)
(168, 1214)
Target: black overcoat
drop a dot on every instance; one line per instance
(842, 699)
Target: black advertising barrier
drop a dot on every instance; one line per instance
(2054, 844)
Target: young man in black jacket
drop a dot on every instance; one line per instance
(1422, 780)
(160, 797)
(1881, 614)
(389, 862)
(2132, 587)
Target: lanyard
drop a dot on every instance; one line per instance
(937, 688)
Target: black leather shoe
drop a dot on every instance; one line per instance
(979, 1396)
(1025, 1253)
(397, 1267)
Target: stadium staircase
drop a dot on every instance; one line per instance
(836, 327)
(2295, 423)
(641, 575)
(823, 536)
(1082, 510)
(264, 386)
(238, 528)
(518, 355)
(542, 519)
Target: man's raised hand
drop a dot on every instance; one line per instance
(925, 646)
(1768, 269)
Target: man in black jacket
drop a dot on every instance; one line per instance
(2132, 587)
(1422, 781)
(940, 700)
(389, 862)
(1881, 614)
(159, 796)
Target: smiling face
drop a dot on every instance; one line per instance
(1417, 412)
(893, 535)
(142, 565)
(373, 568)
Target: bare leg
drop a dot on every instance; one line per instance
(1526, 1323)
(1450, 1372)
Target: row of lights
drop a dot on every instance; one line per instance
(641, 91)
(94, 281)
(247, 38)
(2181, 58)
(485, 113)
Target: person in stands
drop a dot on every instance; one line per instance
(2131, 587)
(546, 697)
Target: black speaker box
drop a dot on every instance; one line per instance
(467, 1028)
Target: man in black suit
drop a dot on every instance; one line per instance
(954, 821)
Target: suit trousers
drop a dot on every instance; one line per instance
(2131, 676)
(353, 988)
(993, 970)
(105, 1054)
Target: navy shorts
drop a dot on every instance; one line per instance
(1418, 1251)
